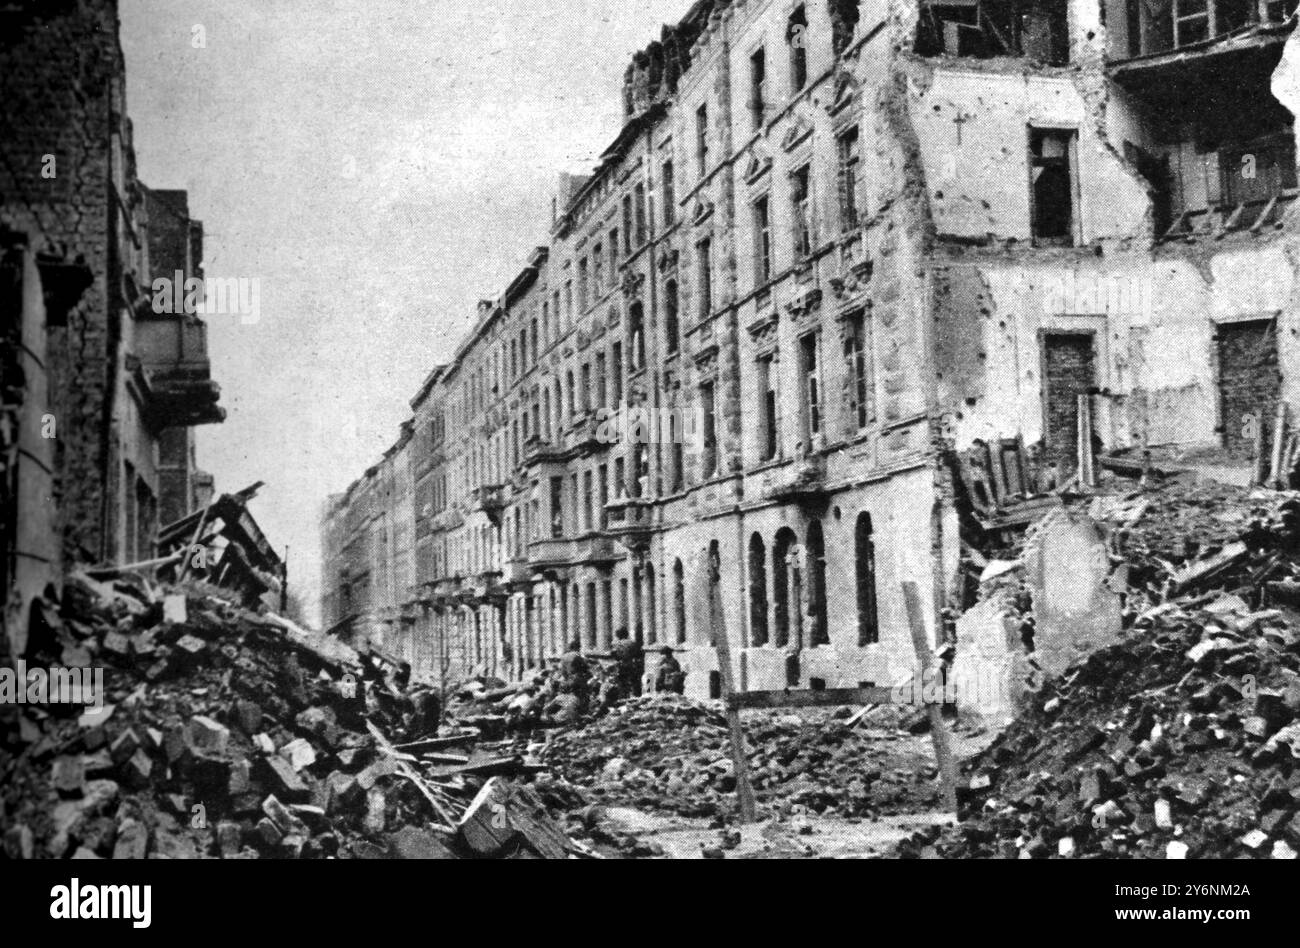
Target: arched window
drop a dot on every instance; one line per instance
(785, 588)
(650, 598)
(714, 566)
(757, 590)
(679, 601)
(670, 315)
(820, 632)
(864, 548)
(636, 335)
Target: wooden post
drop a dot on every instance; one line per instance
(1260, 461)
(718, 625)
(938, 727)
(1279, 439)
(1087, 475)
(198, 532)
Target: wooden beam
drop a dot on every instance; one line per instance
(1263, 215)
(718, 625)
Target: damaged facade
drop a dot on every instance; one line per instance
(862, 268)
(100, 393)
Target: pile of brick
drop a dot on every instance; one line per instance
(1183, 738)
(669, 754)
(227, 733)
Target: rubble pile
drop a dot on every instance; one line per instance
(233, 734)
(669, 754)
(1182, 740)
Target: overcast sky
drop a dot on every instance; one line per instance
(378, 167)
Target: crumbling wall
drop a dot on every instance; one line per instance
(972, 128)
(58, 64)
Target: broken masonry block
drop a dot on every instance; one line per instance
(190, 647)
(175, 743)
(241, 772)
(209, 776)
(69, 776)
(282, 817)
(115, 643)
(345, 793)
(299, 753)
(264, 743)
(174, 608)
(285, 780)
(313, 816)
(137, 771)
(132, 840)
(206, 735)
(376, 804)
(248, 715)
(268, 833)
(383, 767)
(19, 842)
(229, 839)
(125, 746)
(98, 764)
(411, 842)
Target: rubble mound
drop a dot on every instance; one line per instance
(669, 754)
(224, 733)
(1182, 740)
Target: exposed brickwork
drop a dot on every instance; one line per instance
(1249, 383)
(1069, 373)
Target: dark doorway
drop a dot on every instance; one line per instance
(1249, 383)
(1067, 374)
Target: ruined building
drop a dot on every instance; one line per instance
(100, 392)
(828, 313)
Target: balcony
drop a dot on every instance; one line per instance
(595, 549)
(1195, 41)
(486, 586)
(517, 573)
(550, 556)
(630, 522)
(588, 434)
(802, 481)
(538, 451)
(172, 368)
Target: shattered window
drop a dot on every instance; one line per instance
(1053, 184)
(797, 36)
(985, 29)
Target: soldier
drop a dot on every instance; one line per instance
(631, 663)
(669, 676)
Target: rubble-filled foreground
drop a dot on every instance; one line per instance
(1181, 739)
(230, 734)
(671, 754)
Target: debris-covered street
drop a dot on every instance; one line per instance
(728, 432)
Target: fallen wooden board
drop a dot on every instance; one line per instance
(435, 743)
(1206, 569)
(503, 814)
(499, 766)
(409, 772)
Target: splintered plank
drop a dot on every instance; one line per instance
(502, 814)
